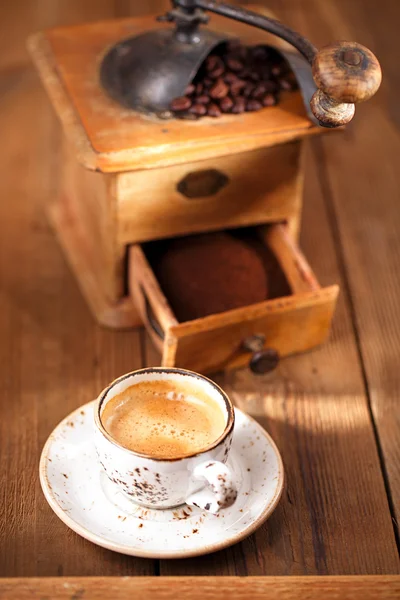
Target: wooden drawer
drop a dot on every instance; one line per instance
(250, 188)
(290, 324)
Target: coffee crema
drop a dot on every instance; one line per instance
(164, 419)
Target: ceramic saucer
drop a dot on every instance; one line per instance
(85, 500)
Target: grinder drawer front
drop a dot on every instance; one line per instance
(282, 326)
(248, 188)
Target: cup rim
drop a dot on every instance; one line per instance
(229, 407)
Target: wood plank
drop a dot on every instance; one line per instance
(319, 420)
(54, 357)
(361, 184)
(334, 516)
(204, 588)
(361, 179)
(22, 17)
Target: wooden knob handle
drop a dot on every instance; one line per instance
(345, 73)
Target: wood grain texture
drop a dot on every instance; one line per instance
(203, 588)
(334, 517)
(84, 216)
(290, 325)
(345, 73)
(329, 111)
(332, 377)
(334, 511)
(89, 199)
(360, 177)
(80, 252)
(53, 355)
(316, 406)
(150, 206)
(293, 262)
(146, 293)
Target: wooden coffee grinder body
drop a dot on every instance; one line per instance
(128, 179)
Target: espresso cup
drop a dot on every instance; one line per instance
(200, 479)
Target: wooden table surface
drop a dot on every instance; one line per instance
(332, 412)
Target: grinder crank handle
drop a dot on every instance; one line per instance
(344, 72)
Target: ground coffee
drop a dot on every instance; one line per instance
(211, 273)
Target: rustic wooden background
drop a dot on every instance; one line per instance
(334, 412)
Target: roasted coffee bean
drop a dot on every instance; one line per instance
(236, 87)
(233, 45)
(230, 77)
(244, 73)
(244, 52)
(253, 105)
(219, 89)
(217, 72)
(190, 89)
(239, 106)
(285, 69)
(276, 70)
(234, 65)
(226, 104)
(213, 62)
(270, 86)
(254, 76)
(259, 53)
(259, 91)
(181, 103)
(203, 99)
(266, 74)
(234, 79)
(241, 53)
(248, 89)
(268, 100)
(213, 110)
(198, 109)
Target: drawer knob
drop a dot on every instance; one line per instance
(263, 360)
(201, 184)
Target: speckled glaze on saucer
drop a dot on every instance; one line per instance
(84, 499)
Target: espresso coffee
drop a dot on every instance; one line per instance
(164, 419)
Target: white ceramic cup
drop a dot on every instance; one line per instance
(201, 479)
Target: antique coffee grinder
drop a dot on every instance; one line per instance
(145, 160)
